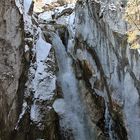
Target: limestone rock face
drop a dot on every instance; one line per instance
(101, 30)
(11, 51)
(75, 78)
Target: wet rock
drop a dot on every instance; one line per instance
(105, 59)
(63, 33)
(87, 71)
(67, 11)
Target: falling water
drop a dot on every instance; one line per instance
(131, 109)
(74, 117)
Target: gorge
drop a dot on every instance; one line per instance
(67, 71)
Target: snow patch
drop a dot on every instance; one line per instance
(19, 5)
(45, 89)
(24, 107)
(26, 48)
(34, 113)
(139, 51)
(49, 1)
(46, 15)
(43, 83)
(43, 48)
(59, 106)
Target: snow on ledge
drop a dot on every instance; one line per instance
(43, 48)
(139, 51)
(59, 106)
(19, 4)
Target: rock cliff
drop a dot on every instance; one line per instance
(67, 71)
(11, 66)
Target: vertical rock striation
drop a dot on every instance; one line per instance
(102, 42)
(11, 52)
(73, 77)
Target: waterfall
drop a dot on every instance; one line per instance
(131, 109)
(74, 116)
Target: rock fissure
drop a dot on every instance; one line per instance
(66, 71)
